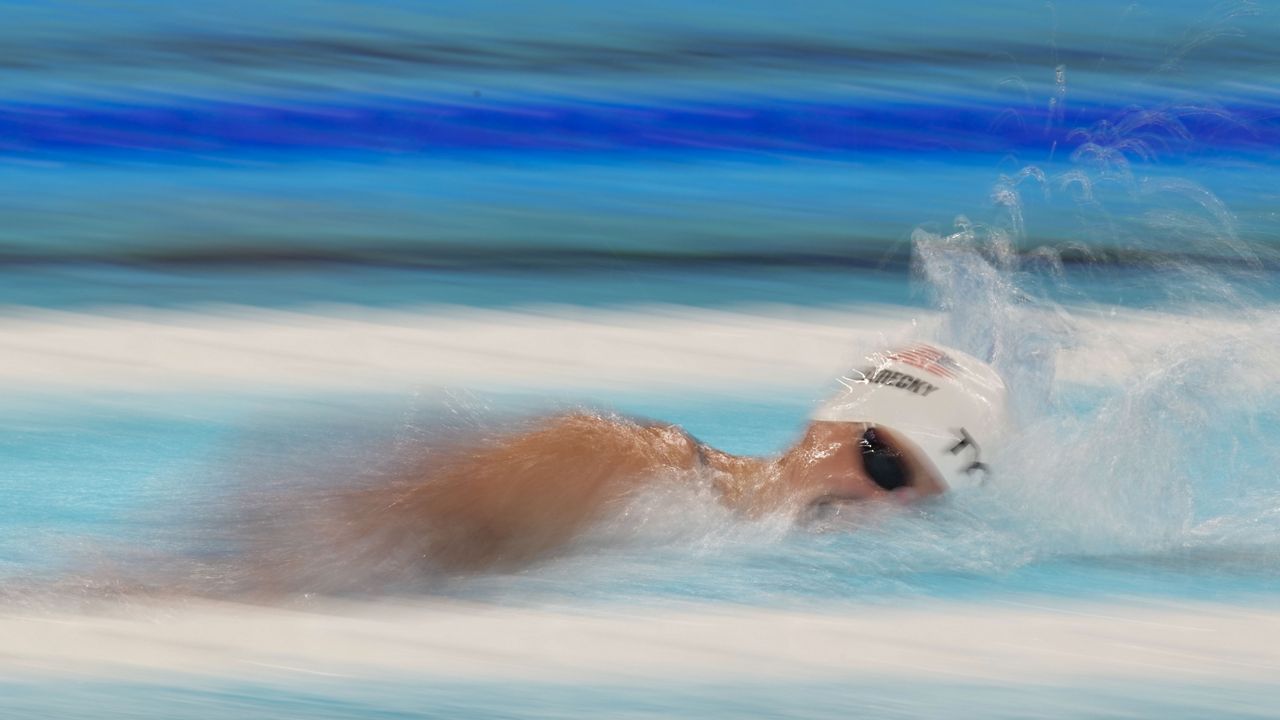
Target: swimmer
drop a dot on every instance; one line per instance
(904, 425)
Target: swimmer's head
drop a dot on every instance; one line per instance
(941, 406)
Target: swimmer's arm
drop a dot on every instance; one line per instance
(519, 498)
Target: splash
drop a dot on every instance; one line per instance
(1165, 445)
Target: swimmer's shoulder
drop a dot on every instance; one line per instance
(680, 447)
(639, 439)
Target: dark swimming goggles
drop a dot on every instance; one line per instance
(883, 462)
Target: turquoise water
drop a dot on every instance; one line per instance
(605, 284)
(129, 483)
(1073, 159)
(817, 700)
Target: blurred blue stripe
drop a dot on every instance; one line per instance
(760, 125)
(572, 133)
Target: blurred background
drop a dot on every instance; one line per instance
(247, 246)
(316, 151)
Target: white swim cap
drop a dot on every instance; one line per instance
(950, 405)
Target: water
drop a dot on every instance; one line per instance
(403, 134)
(251, 252)
(541, 700)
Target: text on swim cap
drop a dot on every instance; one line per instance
(893, 378)
(966, 441)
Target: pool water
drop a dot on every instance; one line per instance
(1143, 490)
(251, 252)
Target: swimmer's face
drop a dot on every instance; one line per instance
(842, 462)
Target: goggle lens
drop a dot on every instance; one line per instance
(883, 462)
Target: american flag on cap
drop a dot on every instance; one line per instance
(929, 359)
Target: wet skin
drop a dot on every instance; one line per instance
(505, 502)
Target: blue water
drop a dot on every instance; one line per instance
(79, 699)
(94, 482)
(303, 155)
(447, 133)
